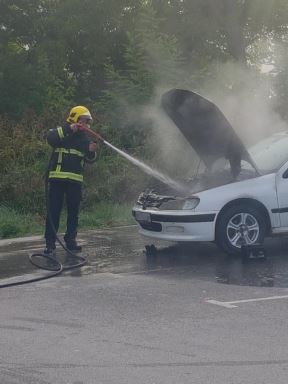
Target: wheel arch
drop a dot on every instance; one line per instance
(252, 203)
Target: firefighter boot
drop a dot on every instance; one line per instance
(71, 244)
(49, 251)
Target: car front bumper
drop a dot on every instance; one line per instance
(176, 225)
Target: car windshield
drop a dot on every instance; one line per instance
(269, 154)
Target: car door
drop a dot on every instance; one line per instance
(282, 193)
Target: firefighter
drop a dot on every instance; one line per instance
(71, 150)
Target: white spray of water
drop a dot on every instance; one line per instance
(152, 172)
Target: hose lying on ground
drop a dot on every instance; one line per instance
(59, 267)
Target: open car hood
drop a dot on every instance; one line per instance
(206, 128)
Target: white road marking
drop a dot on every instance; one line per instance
(231, 304)
(226, 304)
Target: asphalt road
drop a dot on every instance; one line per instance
(191, 315)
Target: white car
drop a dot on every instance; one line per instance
(231, 208)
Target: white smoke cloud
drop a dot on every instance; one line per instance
(245, 96)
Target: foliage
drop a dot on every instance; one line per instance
(116, 57)
(16, 223)
(23, 158)
(106, 215)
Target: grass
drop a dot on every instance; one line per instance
(13, 224)
(106, 215)
(102, 215)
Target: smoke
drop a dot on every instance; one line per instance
(246, 97)
(244, 94)
(172, 152)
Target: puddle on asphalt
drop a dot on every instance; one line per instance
(123, 251)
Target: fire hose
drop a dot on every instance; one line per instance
(57, 267)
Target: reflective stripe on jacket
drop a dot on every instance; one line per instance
(70, 151)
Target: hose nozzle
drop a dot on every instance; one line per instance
(90, 132)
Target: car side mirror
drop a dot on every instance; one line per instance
(285, 174)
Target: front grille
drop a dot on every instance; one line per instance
(155, 227)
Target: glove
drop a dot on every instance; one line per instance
(92, 147)
(74, 127)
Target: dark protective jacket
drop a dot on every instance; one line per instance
(70, 152)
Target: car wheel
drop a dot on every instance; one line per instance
(240, 225)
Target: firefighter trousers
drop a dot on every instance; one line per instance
(58, 190)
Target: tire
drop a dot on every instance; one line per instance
(239, 225)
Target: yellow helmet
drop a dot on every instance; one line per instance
(78, 111)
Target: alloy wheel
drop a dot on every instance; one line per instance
(242, 229)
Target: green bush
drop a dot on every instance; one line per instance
(14, 224)
(106, 215)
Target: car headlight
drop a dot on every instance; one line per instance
(191, 203)
(172, 205)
